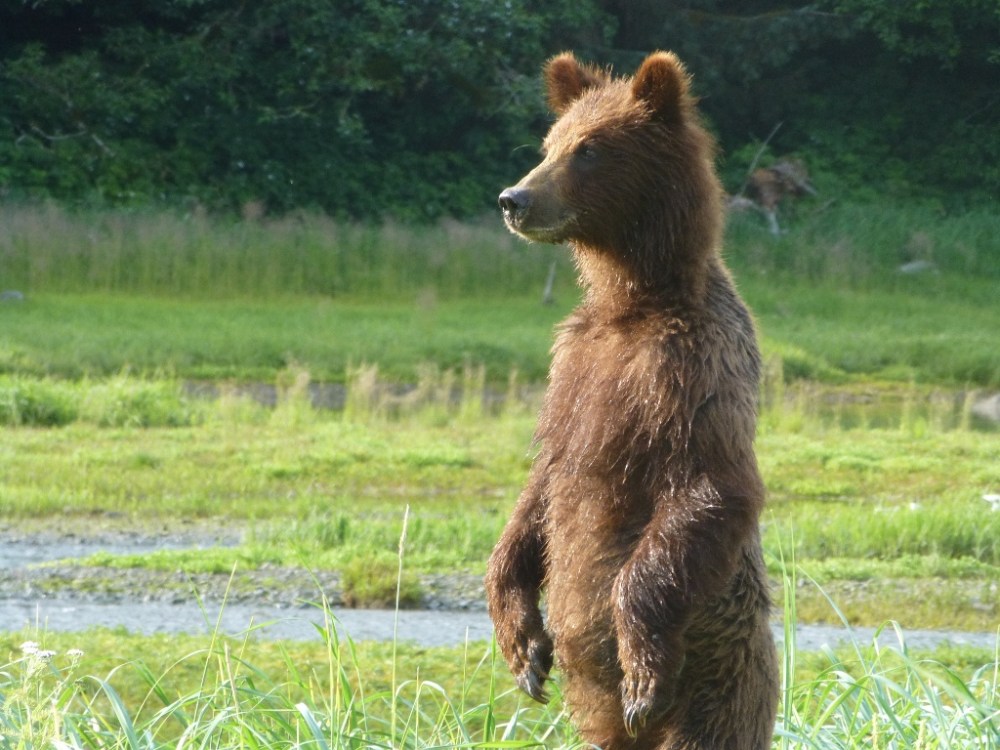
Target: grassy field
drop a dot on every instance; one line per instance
(941, 331)
(330, 487)
(238, 693)
(195, 298)
(877, 472)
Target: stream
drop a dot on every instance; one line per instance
(23, 606)
(421, 627)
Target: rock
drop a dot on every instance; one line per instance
(987, 407)
(918, 266)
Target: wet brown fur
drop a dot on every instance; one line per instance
(640, 516)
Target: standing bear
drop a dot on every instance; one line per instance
(639, 520)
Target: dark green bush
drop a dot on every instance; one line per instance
(366, 108)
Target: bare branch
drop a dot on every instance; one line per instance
(756, 157)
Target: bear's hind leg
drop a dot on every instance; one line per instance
(596, 712)
(728, 689)
(726, 714)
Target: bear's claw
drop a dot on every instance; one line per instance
(536, 661)
(531, 682)
(642, 697)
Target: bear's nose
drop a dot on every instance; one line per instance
(514, 202)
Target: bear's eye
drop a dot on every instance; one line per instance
(586, 151)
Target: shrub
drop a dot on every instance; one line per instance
(36, 403)
(127, 402)
(372, 581)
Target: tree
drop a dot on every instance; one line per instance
(355, 106)
(423, 107)
(876, 96)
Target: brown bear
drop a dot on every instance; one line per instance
(640, 516)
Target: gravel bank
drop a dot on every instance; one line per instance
(270, 586)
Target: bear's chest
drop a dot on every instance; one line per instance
(617, 396)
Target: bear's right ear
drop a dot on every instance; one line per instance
(566, 79)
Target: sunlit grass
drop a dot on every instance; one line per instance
(925, 336)
(169, 691)
(201, 298)
(879, 514)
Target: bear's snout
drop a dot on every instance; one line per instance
(533, 210)
(514, 202)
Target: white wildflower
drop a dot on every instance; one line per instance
(44, 655)
(75, 654)
(29, 647)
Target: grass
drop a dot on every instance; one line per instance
(227, 693)
(97, 336)
(208, 299)
(942, 333)
(330, 693)
(880, 514)
(884, 507)
(45, 248)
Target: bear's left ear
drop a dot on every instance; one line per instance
(662, 83)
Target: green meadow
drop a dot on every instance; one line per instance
(432, 344)
(191, 297)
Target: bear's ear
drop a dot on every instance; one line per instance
(662, 83)
(566, 79)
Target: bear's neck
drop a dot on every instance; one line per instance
(622, 282)
(663, 258)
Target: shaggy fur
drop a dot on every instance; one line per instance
(640, 516)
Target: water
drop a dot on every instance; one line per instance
(31, 549)
(421, 627)
(67, 613)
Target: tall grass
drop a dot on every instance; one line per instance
(45, 248)
(882, 697)
(865, 696)
(854, 244)
(121, 401)
(955, 530)
(49, 249)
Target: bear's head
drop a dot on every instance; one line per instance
(627, 173)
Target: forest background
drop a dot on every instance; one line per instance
(417, 109)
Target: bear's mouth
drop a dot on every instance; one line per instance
(551, 234)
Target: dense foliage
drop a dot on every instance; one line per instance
(420, 108)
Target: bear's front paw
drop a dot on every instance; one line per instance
(644, 694)
(531, 665)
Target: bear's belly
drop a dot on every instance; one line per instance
(592, 529)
